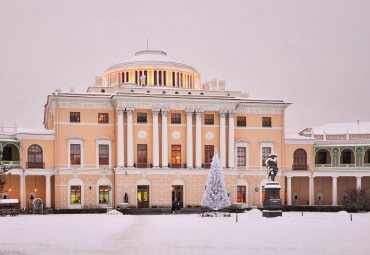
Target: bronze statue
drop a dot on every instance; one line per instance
(273, 169)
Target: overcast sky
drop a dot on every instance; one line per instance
(314, 54)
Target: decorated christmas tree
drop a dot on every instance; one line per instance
(215, 197)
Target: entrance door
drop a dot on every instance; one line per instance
(209, 151)
(143, 196)
(177, 196)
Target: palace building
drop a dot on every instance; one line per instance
(145, 135)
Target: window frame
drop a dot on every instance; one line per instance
(75, 117)
(143, 118)
(240, 122)
(103, 161)
(76, 193)
(266, 122)
(175, 118)
(209, 119)
(105, 118)
(144, 148)
(241, 194)
(104, 193)
(241, 159)
(76, 145)
(175, 152)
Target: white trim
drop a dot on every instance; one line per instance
(84, 124)
(259, 128)
(104, 182)
(81, 143)
(266, 143)
(103, 141)
(75, 182)
(244, 144)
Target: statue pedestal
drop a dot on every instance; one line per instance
(272, 203)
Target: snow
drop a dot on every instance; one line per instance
(343, 128)
(313, 233)
(9, 201)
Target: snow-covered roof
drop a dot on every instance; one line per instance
(35, 131)
(152, 58)
(290, 135)
(357, 127)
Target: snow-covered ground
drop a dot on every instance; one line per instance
(312, 233)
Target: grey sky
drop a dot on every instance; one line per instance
(314, 54)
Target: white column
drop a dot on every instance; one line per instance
(311, 190)
(48, 191)
(198, 139)
(130, 138)
(231, 140)
(334, 190)
(120, 142)
(289, 190)
(189, 139)
(164, 139)
(358, 183)
(222, 139)
(155, 138)
(23, 188)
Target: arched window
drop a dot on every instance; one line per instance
(300, 160)
(35, 157)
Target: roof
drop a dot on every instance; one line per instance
(152, 58)
(343, 128)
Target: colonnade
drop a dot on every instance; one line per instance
(189, 138)
(311, 194)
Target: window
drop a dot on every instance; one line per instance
(142, 156)
(266, 121)
(103, 194)
(103, 118)
(300, 160)
(176, 118)
(155, 78)
(208, 155)
(346, 157)
(368, 157)
(103, 154)
(173, 79)
(141, 117)
(241, 154)
(241, 121)
(240, 198)
(34, 157)
(127, 77)
(322, 157)
(209, 119)
(75, 194)
(176, 156)
(74, 117)
(75, 154)
(266, 151)
(159, 78)
(164, 78)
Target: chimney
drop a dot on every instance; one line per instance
(222, 86)
(214, 84)
(98, 81)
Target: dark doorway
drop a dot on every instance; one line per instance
(177, 196)
(143, 196)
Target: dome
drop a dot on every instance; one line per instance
(150, 58)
